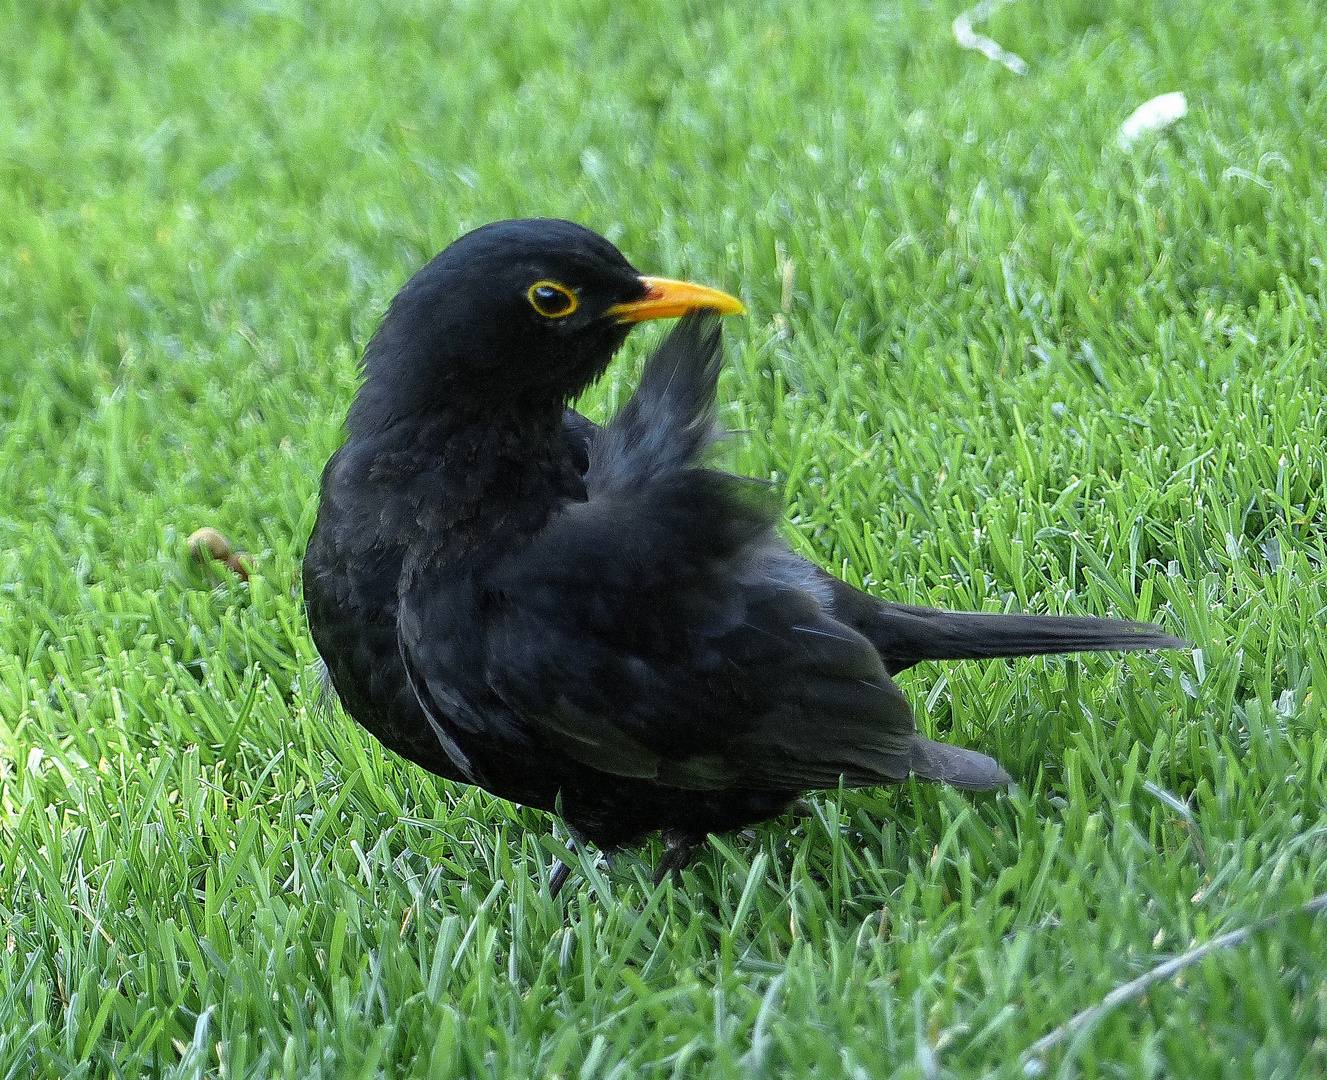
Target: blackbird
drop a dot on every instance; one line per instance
(588, 620)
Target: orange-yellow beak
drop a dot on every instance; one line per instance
(666, 299)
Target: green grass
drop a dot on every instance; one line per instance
(1019, 368)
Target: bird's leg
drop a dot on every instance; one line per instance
(677, 853)
(557, 877)
(560, 871)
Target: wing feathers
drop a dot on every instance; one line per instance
(643, 634)
(660, 631)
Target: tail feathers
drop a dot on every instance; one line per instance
(930, 760)
(903, 635)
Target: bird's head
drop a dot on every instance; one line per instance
(524, 313)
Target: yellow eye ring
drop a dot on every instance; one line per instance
(551, 300)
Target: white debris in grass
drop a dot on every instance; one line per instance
(1151, 116)
(968, 38)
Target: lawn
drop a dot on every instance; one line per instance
(992, 361)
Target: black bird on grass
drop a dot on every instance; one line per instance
(589, 620)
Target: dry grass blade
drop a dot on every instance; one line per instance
(1032, 1059)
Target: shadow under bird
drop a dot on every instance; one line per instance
(588, 620)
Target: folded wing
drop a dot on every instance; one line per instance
(656, 630)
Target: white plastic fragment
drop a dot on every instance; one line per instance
(1151, 116)
(968, 38)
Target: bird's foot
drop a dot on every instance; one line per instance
(676, 856)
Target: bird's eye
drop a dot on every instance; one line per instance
(552, 300)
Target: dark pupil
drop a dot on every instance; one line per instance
(551, 300)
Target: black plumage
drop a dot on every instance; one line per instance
(590, 619)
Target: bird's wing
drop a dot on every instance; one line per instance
(660, 630)
(654, 630)
(690, 673)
